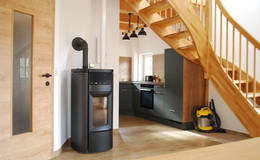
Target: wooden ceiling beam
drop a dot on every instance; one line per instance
(125, 8)
(124, 26)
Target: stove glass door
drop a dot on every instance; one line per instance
(100, 111)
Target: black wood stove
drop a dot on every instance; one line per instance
(91, 106)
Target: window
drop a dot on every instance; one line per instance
(148, 64)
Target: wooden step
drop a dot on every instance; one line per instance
(179, 43)
(154, 8)
(167, 21)
(229, 69)
(186, 47)
(197, 3)
(251, 94)
(237, 81)
(191, 53)
(179, 35)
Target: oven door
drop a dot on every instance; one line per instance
(147, 98)
(100, 111)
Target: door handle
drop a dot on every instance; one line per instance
(47, 75)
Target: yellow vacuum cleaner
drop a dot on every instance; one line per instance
(206, 119)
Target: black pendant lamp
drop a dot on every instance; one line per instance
(126, 37)
(129, 28)
(134, 35)
(142, 32)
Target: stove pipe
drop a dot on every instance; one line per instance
(80, 44)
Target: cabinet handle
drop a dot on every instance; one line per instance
(159, 93)
(172, 110)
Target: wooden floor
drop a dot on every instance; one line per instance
(139, 138)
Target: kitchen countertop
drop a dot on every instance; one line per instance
(143, 82)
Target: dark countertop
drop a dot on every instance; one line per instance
(143, 82)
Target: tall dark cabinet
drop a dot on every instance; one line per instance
(184, 87)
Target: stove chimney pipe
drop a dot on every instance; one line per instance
(80, 44)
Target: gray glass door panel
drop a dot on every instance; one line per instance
(22, 47)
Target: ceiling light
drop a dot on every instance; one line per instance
(133, 35)
(126, 37)
(142, 32)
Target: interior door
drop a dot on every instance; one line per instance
(26, 97)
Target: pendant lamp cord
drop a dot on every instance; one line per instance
(137, 23)
(129, 22)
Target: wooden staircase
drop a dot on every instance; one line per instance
(186, 26)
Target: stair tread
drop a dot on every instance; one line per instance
(179, 35)
(179, 43)
(251, 94)
(167, 21)
(190, 46)
(229, 69)
(237, 81)
(198, 3)
(156, 7)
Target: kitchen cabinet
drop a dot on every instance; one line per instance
(159, 99)
(136, 97)
(125, 98)
(173, 85)
(184, 87)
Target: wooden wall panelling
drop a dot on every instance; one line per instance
(5, 75)
(193, 88)
(159, 66)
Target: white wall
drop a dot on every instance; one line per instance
(151, 43)
(87, 19)
(68, 24)
(228, 119)
(245, 14)
(113, 51)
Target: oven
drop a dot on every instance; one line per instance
(147, 98)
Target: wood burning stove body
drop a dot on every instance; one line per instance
(91, 110)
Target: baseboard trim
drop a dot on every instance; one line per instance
(58, 152)
(236, 132)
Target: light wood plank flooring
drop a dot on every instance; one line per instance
(139, 138)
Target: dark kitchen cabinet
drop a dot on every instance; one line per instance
(125, 98)
(184, 87)
(136, 97)
(159, 99)
(173, 85)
